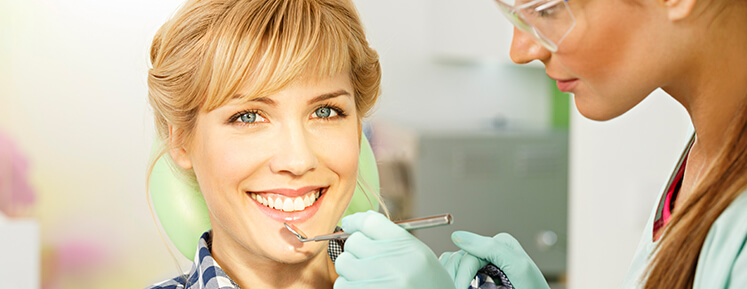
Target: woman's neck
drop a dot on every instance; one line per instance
(251, 271)
(713, 89)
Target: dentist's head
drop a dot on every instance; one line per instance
(612, 54)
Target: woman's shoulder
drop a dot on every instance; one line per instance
(732, 223)
(723, 257)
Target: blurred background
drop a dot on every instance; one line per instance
(458, 129)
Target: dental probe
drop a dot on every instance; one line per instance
(411, 224)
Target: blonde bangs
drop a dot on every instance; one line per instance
(259, 47)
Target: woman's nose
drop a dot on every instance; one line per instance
(524, 48)
(294, 154)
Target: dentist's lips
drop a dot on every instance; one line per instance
(566, 85)
(302, 206)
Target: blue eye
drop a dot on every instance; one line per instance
(247, 117)
(325, 112)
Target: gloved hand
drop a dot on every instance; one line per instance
(502, 251)
(462, 267)
(380, 254)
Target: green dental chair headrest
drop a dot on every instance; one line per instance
(184, 216)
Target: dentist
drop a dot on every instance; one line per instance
(611, 54)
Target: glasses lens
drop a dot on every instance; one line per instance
(549, 21)
(514, 18)
(552, 19)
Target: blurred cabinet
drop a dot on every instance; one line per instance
(515, 182)
(20, 253)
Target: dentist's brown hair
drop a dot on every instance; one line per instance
(676, 257)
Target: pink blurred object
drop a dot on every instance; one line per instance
(79, 256)
(16, 194)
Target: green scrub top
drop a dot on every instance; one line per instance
(722, 262)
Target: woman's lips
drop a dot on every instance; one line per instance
(293, 215)
(566, 85)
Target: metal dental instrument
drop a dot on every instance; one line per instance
(411, 224)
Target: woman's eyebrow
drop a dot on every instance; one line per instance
(326, 96)
(265, 100)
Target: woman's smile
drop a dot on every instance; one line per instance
(289, 205)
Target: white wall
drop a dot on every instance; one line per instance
(618, 170)
(74, 98)
(445, 66)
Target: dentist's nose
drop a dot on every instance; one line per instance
(524, 48)
(294, 154)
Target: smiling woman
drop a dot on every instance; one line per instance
(260, 103)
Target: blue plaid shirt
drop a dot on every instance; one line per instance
(207, 274)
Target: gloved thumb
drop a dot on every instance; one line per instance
(477, 245)
(497, 250)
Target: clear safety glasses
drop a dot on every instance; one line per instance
(548, 21)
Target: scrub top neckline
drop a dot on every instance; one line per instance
(662, 211)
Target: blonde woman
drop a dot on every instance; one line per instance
(260, 102)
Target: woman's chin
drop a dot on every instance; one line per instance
(292, 254)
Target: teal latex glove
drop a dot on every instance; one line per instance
(380, 254)
(504, 252)
(462, 267)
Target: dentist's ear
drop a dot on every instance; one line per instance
(679, 9)
(177, 151)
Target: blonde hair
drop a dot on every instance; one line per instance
(210, 50)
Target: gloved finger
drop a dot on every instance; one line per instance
(450, 261)
(354, 269)
(499, 250)
(349, 267)
(361, 246)
(375, 225)
(467, 269)
(343, 283)
(444, 258)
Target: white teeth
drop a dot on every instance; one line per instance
(298, 204)
(288, 204)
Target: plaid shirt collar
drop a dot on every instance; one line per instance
(207, 274)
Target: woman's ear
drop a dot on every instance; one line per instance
(178, 153)
(679, 9)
